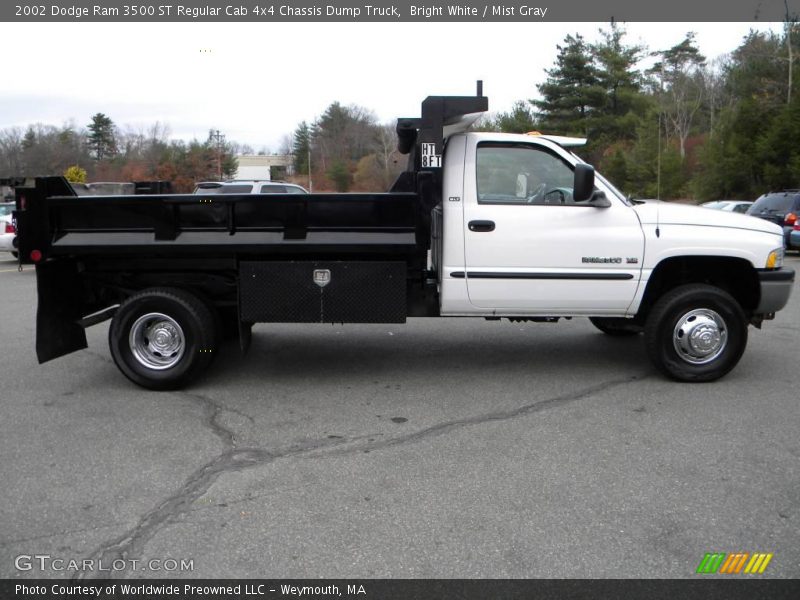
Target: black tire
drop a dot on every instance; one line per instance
(186, 344)
(709, 316)
(616, 326)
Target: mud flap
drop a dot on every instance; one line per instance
(245, 336)
(60, 305)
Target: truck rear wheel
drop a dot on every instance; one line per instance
(696, 333)
(162, 338)
(616, 326)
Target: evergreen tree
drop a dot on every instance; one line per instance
(757, 69)
(572, 91)
(102, 137)
(616, 70)
(344, 133)
(520, 119)
(650, 173)
(624, 105)
(301, 147)
(340, 176)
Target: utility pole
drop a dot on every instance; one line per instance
(219, 142)
(789, 28)
(660, 112)
(310, 187)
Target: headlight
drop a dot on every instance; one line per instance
(775, 259)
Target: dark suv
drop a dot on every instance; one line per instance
(781, 208)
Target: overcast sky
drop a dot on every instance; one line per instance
(256, 82)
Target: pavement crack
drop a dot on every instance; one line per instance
(346, 446)
(131, 543)
(212, 411)
(502, 415)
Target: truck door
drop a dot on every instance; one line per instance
(529, 248)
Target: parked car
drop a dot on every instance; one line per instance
(781, 208)
(737, 206)
(122, 188)
(794, 238)
(104, 188)
(8, 233)
(248, 186)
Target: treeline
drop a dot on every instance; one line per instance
(681, 127)
(102, 152)
(345, 149)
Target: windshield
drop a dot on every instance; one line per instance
(225, 189)
(613, 188)
(603, 180)
(274, 188)
(779, 203)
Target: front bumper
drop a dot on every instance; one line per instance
(7, 242)
(776, 287)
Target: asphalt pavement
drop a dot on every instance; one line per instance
(443, 448)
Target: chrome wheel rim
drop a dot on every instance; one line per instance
(157, 341)
(700, 336)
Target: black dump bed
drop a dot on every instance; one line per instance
(59, 223)
(220, 225)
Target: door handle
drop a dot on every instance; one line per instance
(481, 225)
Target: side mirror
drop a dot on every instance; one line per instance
(583, 182)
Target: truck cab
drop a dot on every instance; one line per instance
(518, 242)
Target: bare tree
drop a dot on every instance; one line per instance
(712, 80)
(11, 152)
(387, 149)
(680, 90)
(285, 146)
(789, 28)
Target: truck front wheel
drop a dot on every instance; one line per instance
(161, 338)
(696, 333)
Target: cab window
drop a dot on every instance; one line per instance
(522, 174)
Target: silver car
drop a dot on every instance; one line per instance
(737, 206)
(248, 186)
(8, 234)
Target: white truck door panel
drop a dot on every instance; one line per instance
(528, 247)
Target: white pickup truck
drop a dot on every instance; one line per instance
(484, 225)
